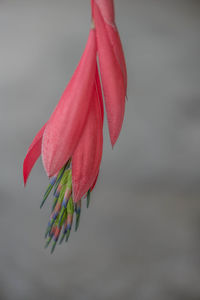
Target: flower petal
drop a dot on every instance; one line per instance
(98, 85)
(33, 154)
(113, 72)
(99, 93)
(107, 10)
(66, 124)
(87, 156)
(94, 183)
(118, 50)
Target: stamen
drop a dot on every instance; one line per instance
(78, 214)
(88, 198)
(49, 227)
(52, 182)
(48, 242)
(67, 196)
(53, 247)
(54, 204)
(70, 212)
(57, 191)
(60, 174)
(68, 234)
(62, 238)
(63, 208)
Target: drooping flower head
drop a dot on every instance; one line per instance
(71, 141)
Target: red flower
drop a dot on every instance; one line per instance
(71, 141)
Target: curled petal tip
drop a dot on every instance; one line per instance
(33, 154)
(113, 140)
(24, 179)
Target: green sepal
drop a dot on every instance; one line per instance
(62, 216)
(48, 191)
(61, 195)
(55, 200)
(59, 177)
(69, 179)
(77, 221)
(70, 206)
(64, 178)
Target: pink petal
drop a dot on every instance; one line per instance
(107, 10)
(33, 154)
(66, 124)
(94, 183)
(87, 156)
(99, 92)
(118, 50)
(98, 85)
(113, 79)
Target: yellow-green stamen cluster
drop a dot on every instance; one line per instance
(63, 208)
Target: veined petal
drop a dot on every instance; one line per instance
(113, 79)
(107, 10)
(87, 156)
(66, 124)
(118, 50)
(33, 154)
(94, 183)
(100, 97)
(99, 92)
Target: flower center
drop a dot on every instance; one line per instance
(63, 208)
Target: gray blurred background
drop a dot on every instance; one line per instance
(140, 239)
